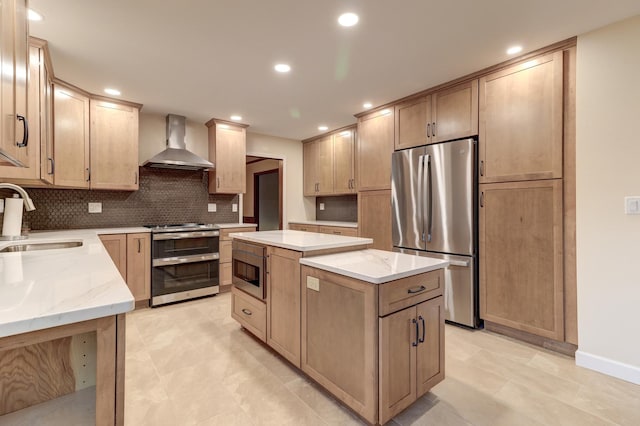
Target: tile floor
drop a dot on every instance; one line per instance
(191, 364)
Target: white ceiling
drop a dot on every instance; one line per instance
(214, 58)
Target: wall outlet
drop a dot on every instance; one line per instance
(234, 207)
(313, 283)
(321, 206)
(212, 208)
(95, 207)
(632, 205)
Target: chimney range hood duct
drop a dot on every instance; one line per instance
(176, 155)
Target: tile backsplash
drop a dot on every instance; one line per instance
(164, 196)
(339, 208)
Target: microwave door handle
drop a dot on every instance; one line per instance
(429, 199)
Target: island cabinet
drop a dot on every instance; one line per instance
(443, 115)
(227, 151)
(386, 340)
(131, 253)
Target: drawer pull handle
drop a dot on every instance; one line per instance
(414, 322)
(415, 290)
(246, 311)
(421, 340)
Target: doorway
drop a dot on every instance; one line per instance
(263, 201)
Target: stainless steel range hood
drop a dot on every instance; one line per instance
(176, 155)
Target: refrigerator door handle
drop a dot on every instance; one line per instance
(421, 182)
(429, 199)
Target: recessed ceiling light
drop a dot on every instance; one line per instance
(323, 128)
(32, 15)
(348, 19)
(112, 92)
(514, 49)
(236, 117)
(282, 68)
(367, 105)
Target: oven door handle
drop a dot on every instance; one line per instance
(181, 235)
(185, 259)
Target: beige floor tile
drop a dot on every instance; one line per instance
(237, 418)
(426, 412)
(468, 373)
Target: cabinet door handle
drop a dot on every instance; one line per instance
(139, 245)
(246, 311)
(414, 290)
(414, 324)
(136, 178)
(421, 340)
(428, 130)
(53, 165)
(218, 182)
(433, 129)
(481, 167)
(88, 174)
(482, 199)
(25, 135)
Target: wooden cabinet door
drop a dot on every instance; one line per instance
(398, 343)
(411, 119)
(139, 265)
(227, 150)
(114, 145)
(374, 147)
(225, 251)
(13, 81)
(303, 227)
(374, 218)
(521, 256)
(430, 349)
(71, 137)
(283, 303)
(521, 114)
(455, 112)
(343, 162)
(324, 165)
(116, 246)
(310, 172)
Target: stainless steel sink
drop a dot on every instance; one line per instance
(41, 246)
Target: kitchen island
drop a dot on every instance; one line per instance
(62, 323)
(367, 325)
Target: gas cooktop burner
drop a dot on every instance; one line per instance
(180, 227)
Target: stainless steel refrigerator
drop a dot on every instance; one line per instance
(433, 195)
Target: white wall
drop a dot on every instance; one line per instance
(153, 136)
(608, 169)
(296, 207)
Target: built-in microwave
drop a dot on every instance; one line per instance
(249, 268)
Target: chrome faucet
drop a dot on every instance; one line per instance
(28, 203)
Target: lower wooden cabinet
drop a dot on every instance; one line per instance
(131, 253)
(521, 256)
(325, 229)
(303, 227)
(283, 302)
(250, 312)
(374, 218)
(411, 355)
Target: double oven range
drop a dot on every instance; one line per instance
(185, 262)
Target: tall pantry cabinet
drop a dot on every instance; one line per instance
(522, 126)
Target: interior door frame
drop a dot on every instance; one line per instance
(256, 187)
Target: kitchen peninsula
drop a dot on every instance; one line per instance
(62, 324)
(367, 325)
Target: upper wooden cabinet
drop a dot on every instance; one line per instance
(114, 145)
(13, 84)
(374, 147)
(443, 115)
(71, 136)
(39, 170)
(521, 121)
(521, 256)
(329, 164)
(227, 151)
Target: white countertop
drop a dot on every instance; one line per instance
(48, 288)
(300, 240)
(326, 223)
(374, 266)
(235, 225)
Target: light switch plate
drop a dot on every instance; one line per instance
(212, 208)
(234, 207)
(321, 206)
(313, 283)
(95, 207)
(632, 205)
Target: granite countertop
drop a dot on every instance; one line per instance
(300, 240)
(374, 266)
(235, 225)
(326, 223)
(48, 288)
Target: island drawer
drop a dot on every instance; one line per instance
(399, 294)
(250, 312)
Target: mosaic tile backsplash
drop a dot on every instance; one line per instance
(339, 208)
(164, 196)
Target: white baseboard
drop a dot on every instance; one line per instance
(630, 373)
